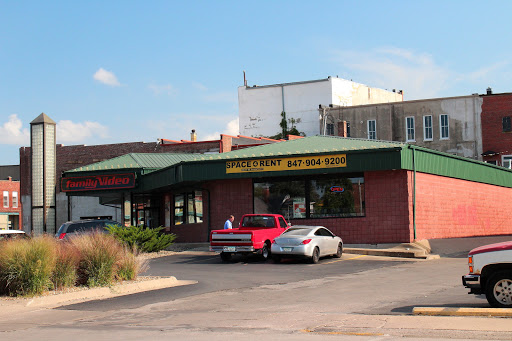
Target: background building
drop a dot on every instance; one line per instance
(10, 209)
(42, 165)
(450, 124)
(497, 128)
(260, 107)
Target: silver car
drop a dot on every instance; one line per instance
(310, 242)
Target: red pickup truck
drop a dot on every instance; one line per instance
(254, 234)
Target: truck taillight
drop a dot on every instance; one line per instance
(61, 236)
(470, 263)
(306, 241)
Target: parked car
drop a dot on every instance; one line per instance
(310, 242)
(12, 234)
(490, 273)
(72, 228)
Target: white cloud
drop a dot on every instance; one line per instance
(415, 73)
(487, 72)
(106, 77)
(162, 89)
(231, 128)
(71, 132)
(11, 132)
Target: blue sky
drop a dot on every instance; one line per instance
(119, 71)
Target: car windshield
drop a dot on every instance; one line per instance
(297, 232)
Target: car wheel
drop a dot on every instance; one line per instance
(339, 252)
(315, 256)
(276, 259)
(225, 256)
(499, 290)
(265, 251)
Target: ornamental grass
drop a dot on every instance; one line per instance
(30, 267)
(26, 265)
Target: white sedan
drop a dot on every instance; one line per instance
(310, 242)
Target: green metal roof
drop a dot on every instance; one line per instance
(164, 170)
(307, 145)
(146, 162)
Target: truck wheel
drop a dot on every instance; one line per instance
(265, 251)
(499, 290)
(339, 252)
(225, 256)
(315, 256)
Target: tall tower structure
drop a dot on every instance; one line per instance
(43, 174)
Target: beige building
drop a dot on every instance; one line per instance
(450, 125)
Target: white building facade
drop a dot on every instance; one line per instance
(260, 107)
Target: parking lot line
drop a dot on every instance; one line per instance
(341, 260)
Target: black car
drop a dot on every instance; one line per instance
(71, 228)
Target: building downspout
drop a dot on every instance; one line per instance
(414, 193)
(282, 96)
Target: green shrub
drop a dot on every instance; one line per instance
(144, 239)
(65, 273)
(26, 266)
(98, 258)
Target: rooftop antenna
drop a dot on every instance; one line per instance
(245, 80)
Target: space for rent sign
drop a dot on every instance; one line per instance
(98, 182)
(286, 163)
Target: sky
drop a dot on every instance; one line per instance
(126, 71)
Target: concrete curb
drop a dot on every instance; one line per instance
(431, 311)
(126, 288)
(401, 253)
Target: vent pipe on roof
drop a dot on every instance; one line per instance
(193, 136)
(489, 91)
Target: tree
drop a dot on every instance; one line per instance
(284, 128)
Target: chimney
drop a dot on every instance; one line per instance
(489, 91)
(193, 136)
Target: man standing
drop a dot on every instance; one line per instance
(228, 225)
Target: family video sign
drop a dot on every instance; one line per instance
(98, 182)
(286, 163)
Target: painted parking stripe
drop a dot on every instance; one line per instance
(341, 260)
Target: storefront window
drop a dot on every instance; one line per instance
(336, 197)
(322, 197)
(179, 208)
(188, 208)
(280, 197)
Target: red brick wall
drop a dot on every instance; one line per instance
(494, 108)
(387, 212)
(448, 208)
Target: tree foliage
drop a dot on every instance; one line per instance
(287, 127)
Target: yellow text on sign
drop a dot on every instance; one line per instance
(286, 163)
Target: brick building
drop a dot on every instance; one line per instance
(61, 158)
(10, 209)
(497, 129)
(363, 190)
